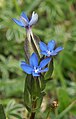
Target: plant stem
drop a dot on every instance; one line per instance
(32, 115)
(66, 110)
(33, 107)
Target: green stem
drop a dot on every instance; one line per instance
(16, 6)
(33, 107)
(56, 112)
(48, 114)
(66, 110)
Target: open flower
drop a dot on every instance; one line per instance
(25, 22)
(31, 40)
(49, 49)
(34, 68)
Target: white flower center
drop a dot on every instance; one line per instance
(49, 52)
(37, 70)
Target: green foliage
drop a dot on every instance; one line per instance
(50, 71)
(33, 92)
(14, 110)
(57, 20)
(2, 113)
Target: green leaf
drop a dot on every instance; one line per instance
(27, 96)
(35, 87)
(32, 93)
(16, 108)
(67, 109)
(32, 85)
(43, 83)
(16, 115)
(50, 71)
(39, 101)
(31, 45)
(63, 98)
(35, 42)
(2, 113)
(28, 48)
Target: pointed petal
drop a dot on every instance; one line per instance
(25, 16)
(51, 45)
(59, 49)
(24, 21)
(44, 70)
(35, 74)
(34, 60)
(18, 22)
(23, 62)
(44, 62)
(43, 46)
(53, 53)
(34, 19)
(26, 68)
(44, 53)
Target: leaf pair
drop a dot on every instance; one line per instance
(33, 92)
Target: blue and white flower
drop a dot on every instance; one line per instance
(49, 49)
(25, 22)
(33, 68)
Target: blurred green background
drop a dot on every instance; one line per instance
(57, 20)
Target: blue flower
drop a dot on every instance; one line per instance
(25, 22)
(34, 68)
(49, 49)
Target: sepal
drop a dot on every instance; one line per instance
(50, 71)
(27, 96)
(31, 45)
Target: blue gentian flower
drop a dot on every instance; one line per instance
(25, 22)
(34, 68)
(49, 49)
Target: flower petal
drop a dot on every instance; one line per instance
(53, 53)
(43, 46)
(44, 53)
(23, 62)
(34, 19)
(26, 68)
(33, 60)
(44, 62)
(44, 70)
(25, 16)
(59, 49)
(18, 22)
(24, 21)
(35, 74)
(51, 45)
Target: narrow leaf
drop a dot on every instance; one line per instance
(66, 110)
(2, 113)
(16, 115)
(28, 48)
(27, 96)
(50, 71)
